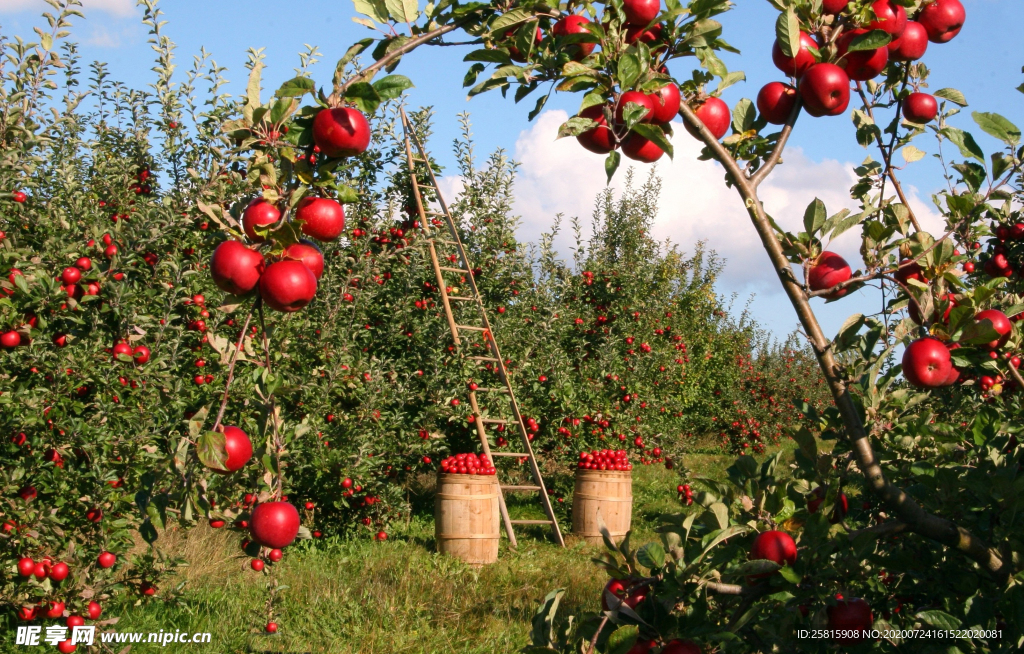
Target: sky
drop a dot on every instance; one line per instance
(558, 176)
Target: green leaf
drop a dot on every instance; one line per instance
(789, 574)
(212, 451)
(575, 126)
(629, 70)
(632, 114)
(911, 154)
(873, 40)
(622, 639)
(964, 141)
(997, 126)
(295, 88)
(814, 216)
(654, 133)
(403, 11)
(510, 18)
(787, 32)
(756, 567)
(364, 96)
(375, 9)
(743, 115)
(651, 555)
(730, 79)
(392, 86)
(938, 619)
(354, 51)
(805, 440)
(954, 96)
(490, 56)
(611, 164)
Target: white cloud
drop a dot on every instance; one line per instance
(559, 176)
(115, 7)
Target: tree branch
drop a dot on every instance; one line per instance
(776, 155)
(889, 528)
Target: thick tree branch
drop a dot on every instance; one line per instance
(902, 505)
(890, 528)
(780, 145)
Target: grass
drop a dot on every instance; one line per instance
(398, 596)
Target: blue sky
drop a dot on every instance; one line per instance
(984, 62)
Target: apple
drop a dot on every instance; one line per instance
(1000, 323)
(257, 565)
(28, 613)
(861, 64)
(850, 615)
(341, 132)
(600, 139)
(274, 524)
(259, 213)
(798, 65)
(147, 589)
(954, 373)
(27, 493)
(322, 218)
(141, 354)
(642, 646)
(639, 148)
(10, 340)
(618, 588)
(825, 89)
(833, 6)
(513, 51)
(70, 275)
(238, 448)
(715, 115)
(287, 286)
(775, 546)
(942, 19)
(235, 268)
(106, 560)
(926, 363)
(309, 254)
(907, 270)
(681, 647)
(817, 498)
(642, 99)
(25, 566)
(911, 45)
(275, 555)
(54, 610)
(19, 197)
(920, 108)
(828, 270)
(59, 571)
(66, 646)
(271, 628)
(666, 103)
(95, 514)
(574, 24)
(75, 621)
(641, 12)
(636, 33)
(775, 102)
(83, 263)
(94, 610)
(891, 18)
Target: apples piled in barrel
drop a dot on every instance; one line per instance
(467, 464)
(604, 460)
(283, 268)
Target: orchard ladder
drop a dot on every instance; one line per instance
(434, 242)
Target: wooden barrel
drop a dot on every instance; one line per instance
(605, 492)
(467, 522)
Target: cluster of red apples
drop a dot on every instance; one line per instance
(467, 464)
(287, 279)
(824, 86)
(616, 460)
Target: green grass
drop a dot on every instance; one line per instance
(396, 596)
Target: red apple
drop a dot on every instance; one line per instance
(818, 498)
(341, 132)
(1000, 323)
(775, 546)
(322, 218)
(775, 102)
(600, 139)
(513, 51)
(825, 89)
(833, 6)
(642, 646)
(638, 148)
(75, 621)
(574, 24)
(949, 299)
(66, 646)
(257, 565)
(715, 115)
(911, 45)
(59, 571)
(94, 610)
(236, 268)
(271, 628)
(641, 12)
(891, 18)
(636, 33)
(238, 448)
(287, 286)
(666, 103)
(639, 98)
(71, 275)
(28, 613)
(10, 340)
(121, 349)
(828, 270)
(942, 19)
(798, 65)
(920, 108)
(26, 566)
(617, 587)
(681, 647)
(850, 615)
(141, 354)
(147, 589)
(275, 555)
(106, 560)
(309, 254)
(274, 524)
(54, 610)
(259, 213)
(926, 363)
(861, 64)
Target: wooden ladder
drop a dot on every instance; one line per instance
(433, 243)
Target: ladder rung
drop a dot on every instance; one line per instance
(471, 328)
(422, 185)
(521, 488)
(496, 421)
(481, 389)
(445, 241)
(483, 359)
(458, 270)
(517, 454)
(461, 299)
(532, 522)
(415, 158)
(434, 213)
